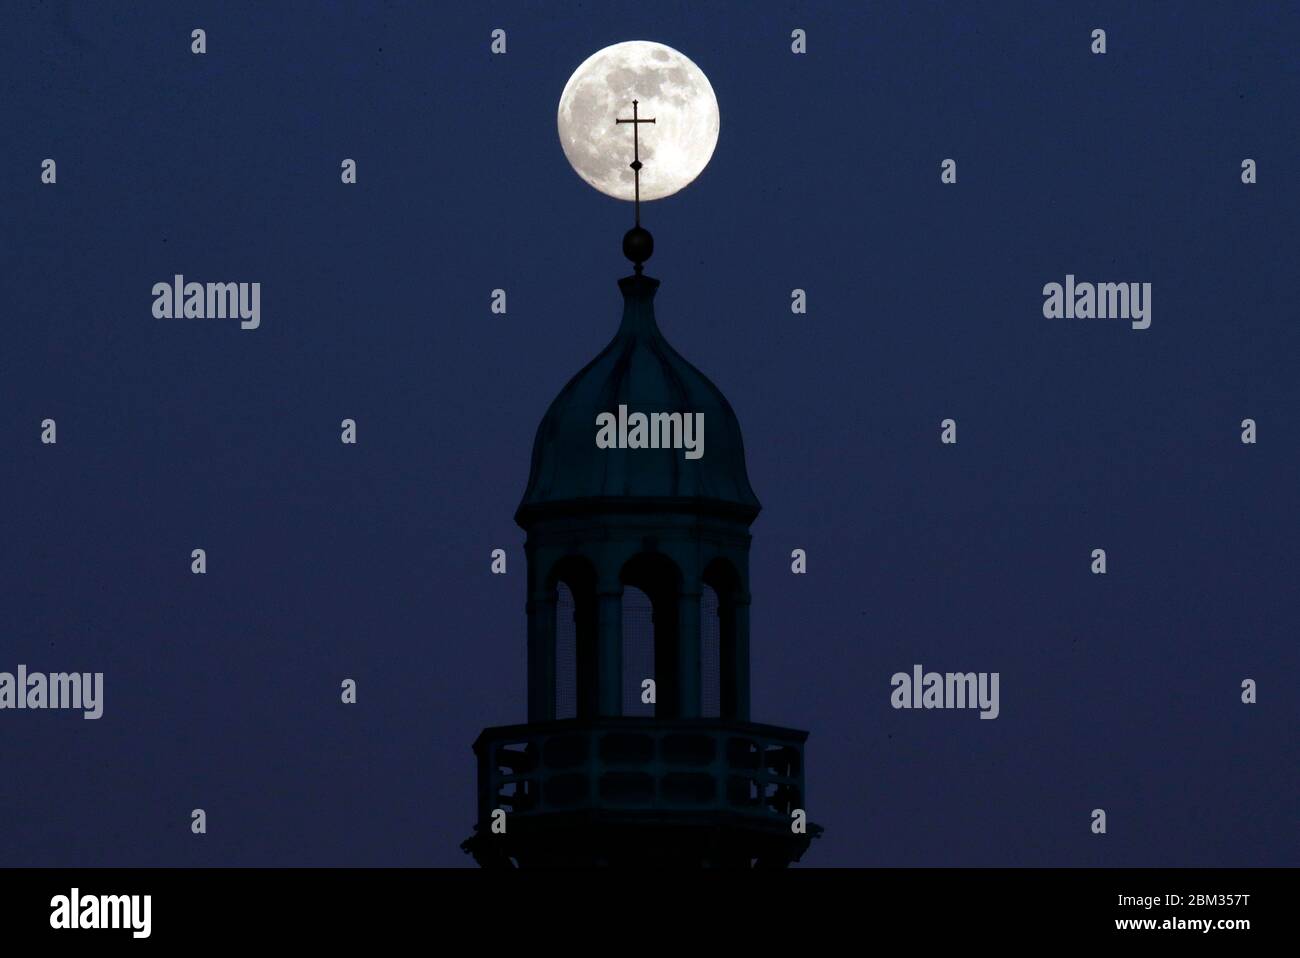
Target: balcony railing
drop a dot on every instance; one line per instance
(642, 764)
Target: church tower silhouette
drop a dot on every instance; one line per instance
(639, 749)
(638, 590)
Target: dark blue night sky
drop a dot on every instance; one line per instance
(371, 561)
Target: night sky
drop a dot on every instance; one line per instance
(371, 561)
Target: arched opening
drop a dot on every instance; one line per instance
(574, 583)
(710, 652)
(566, 653)
(658, 580)
(638, 649)
(720, 577)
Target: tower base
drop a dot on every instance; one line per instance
(612, 840)
(640, 792)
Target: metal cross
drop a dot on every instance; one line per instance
(636, 155)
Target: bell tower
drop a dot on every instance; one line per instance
(695, 782)
(639, 749)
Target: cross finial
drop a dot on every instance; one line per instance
(636, 120)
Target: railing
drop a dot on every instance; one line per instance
(641, 764)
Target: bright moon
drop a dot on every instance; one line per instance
(670, 89)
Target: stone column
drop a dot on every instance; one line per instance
(689, 680)
(740, 665)
(541, 656)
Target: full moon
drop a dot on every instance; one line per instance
(669, 88)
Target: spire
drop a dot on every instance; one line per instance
(638, 244)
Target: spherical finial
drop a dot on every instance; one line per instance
(638, 245)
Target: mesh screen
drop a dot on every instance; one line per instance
(566, 654)
(710, 654)
(638, 649)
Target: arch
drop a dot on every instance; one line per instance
(710, 652)
(660, 580)
(566, 652)
(721, 576)
(638, 649)
(573, 648)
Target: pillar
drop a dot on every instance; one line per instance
(541, 656)
(689, 679)
(740, 655)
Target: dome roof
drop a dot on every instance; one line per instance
(641, 371)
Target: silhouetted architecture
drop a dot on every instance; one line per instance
(638, 748)
(692, 782)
